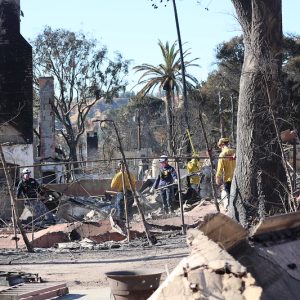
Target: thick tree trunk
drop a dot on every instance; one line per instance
(257, 188)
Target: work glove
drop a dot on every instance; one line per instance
(151, 191)
(176, 181)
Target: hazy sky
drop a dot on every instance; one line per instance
(133, 27)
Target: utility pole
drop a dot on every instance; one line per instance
(184, 91)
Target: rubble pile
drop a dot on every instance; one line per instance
(229, 262)
(83, 222)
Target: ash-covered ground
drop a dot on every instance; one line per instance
(84, 268)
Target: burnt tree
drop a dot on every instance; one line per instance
(83, 74)
(258, 187)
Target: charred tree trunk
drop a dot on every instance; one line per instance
(74, 157)
(259, 181)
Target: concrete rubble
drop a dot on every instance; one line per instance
(229, 262)
(87, 217)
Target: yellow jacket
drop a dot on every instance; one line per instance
(117, 185)
(193, 166)
(226, 164)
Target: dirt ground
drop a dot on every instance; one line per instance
(85, 269)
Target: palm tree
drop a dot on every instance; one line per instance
(167, 77)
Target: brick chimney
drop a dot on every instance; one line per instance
(46, 118)
(16, 86)
(10, 17)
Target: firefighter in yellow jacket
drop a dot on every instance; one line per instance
(194, 166)
(226, 165)
(117, 185)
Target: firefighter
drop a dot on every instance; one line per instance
(226, 165)
(164, 181)
(117, 184)
(31, 191)
(28, 187)
(194, 166)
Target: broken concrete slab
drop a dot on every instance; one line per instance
(98, 232)
(223, 230)
(191, 218)
(209, 272)
(271, 255)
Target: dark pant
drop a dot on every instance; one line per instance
(167, 198)
(227, 186)
(120, 205)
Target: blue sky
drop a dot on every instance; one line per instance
(133, 27)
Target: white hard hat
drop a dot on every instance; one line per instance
(163, 158)
(223, 141)
(26, 171)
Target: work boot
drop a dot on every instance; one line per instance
(166, 211)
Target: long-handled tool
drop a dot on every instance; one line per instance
(191, 142)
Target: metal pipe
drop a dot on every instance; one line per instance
(125, 201)
(180, 199)
(106, 160)
(184, 91)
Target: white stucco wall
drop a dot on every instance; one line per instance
(19, 154)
